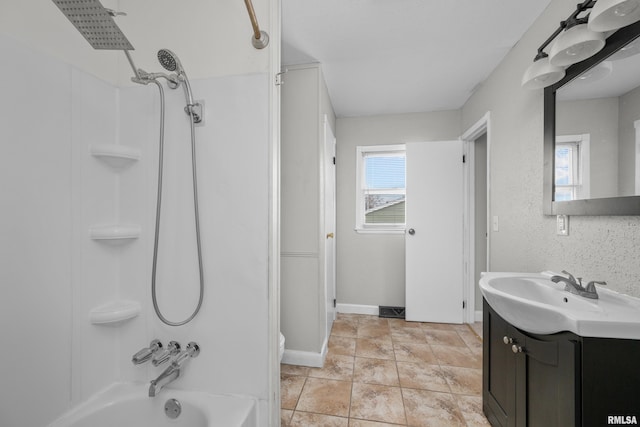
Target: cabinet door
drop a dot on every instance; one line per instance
(499, 371)
(529, 380)
(610, 379)
(550, 388)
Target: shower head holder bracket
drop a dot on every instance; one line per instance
(196, 111)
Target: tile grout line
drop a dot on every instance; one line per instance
(395, 362)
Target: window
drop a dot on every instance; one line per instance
(571, 168)
(380, 193)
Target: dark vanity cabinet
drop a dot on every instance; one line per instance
(557, 380)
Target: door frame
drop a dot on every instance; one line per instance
(328, 138)
(482, 126)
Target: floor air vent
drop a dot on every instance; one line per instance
(392, 312)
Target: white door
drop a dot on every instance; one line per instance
(434, 218)
(329, 222)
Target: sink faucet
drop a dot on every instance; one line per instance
(575, 286)
(173, 371)
(590, 290)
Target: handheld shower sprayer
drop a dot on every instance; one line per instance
(170, 62)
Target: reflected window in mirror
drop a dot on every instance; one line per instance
(571, 167)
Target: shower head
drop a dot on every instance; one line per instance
(170, 61)
(95, 23)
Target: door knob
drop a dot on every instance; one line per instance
(412, 231)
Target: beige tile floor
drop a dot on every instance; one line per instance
(388, 372)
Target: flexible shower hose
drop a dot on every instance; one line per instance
(158, 210)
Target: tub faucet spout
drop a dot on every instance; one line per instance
(172, 372)
(169, 375)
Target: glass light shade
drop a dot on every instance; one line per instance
(608, 15)
(594, 74)
(541, 74)
(627, 51)
(575, 45)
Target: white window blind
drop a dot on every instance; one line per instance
(381, 188)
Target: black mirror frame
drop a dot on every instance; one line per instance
(629, 205)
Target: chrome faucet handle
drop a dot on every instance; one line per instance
(162, 356)
(573, 279)
(591, 286)
(145, 354)
(192, 350)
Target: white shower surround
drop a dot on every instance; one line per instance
(55, 274)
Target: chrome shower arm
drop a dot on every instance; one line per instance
(173, 81)
(133, 66)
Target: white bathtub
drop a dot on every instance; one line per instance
(128, 405)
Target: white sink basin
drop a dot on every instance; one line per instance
(535, 304)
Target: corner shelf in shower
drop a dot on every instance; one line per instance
(116, 156)
(114, 232)
(114, 312)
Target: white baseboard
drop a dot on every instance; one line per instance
(306, 358)
(374, 310)
(357, 309)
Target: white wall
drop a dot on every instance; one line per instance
(231, 159)
(598, 248)
(370, 267)
(36, 236)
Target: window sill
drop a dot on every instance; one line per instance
(380, 230)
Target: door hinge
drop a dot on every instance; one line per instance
(334, 160)
(464, 158)
(464, 304)
(334, 303)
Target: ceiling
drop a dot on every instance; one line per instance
(401, 56)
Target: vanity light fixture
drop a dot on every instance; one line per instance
(575, 44)
(570, 43)
(542, 73)
(594, 74)
(608, 15)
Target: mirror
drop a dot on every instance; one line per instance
(592, 133)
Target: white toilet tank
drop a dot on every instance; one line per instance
(281, 345)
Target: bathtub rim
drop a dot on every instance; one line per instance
(127, 391)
